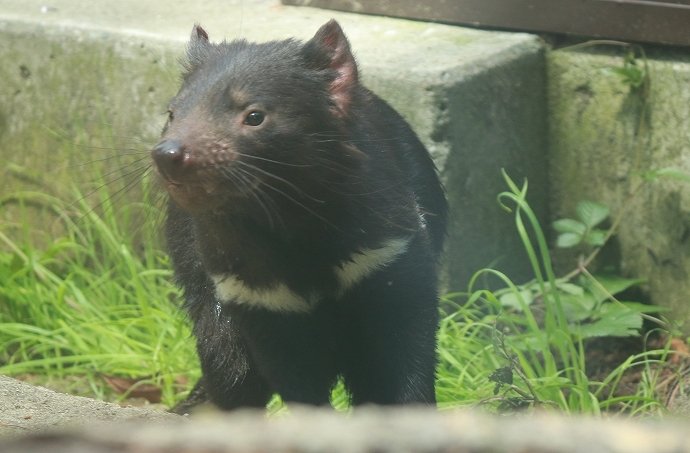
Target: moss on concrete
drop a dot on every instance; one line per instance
(604, 136)
(71, 92)
(78, 109)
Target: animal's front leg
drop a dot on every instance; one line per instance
(230, 378)
(294, 353)
(391, 356)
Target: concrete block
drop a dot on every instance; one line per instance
(605, 135)
(88, 82)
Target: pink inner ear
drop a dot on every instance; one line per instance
(330, 40)
(341, 88)
(331, 37)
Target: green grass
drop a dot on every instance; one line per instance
(524, 346)
(97, 301)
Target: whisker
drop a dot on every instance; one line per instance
(287, 164)
(278, 178)
(236, 180)
(256, 194)
(124, 175)
(272, 203)
(104, 159)
(113, 197)
(328, 163)
(331, 137)
(301, 205)
(138, 172)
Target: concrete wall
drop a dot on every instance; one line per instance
(85, 86)
(605, 136)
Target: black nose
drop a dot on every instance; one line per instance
(169, 156)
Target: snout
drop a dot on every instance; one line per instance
(191, 179)
(172, 160)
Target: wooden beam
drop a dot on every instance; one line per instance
(654, 21)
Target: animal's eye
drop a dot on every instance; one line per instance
(254, 118)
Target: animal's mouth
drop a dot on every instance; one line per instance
(196, 196)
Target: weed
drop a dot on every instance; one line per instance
(524, 345)
(95, 303)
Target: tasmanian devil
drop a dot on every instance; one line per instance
(305, 223)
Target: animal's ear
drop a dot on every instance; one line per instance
(330, 49)
(198, 46)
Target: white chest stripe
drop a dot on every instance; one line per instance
(279, 297)
(366, 261)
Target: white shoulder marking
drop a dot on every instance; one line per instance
(278, 297)
(420, 216)
(365, 261)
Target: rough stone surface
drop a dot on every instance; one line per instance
(25, 408)
(498, 121)
(85, 86)
(605, 135)
(36, 420)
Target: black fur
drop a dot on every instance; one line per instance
(330, 170)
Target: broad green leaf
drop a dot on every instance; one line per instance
(615, 321)
(566, 240)
(513, 300)
(631, 75)
(621, 317)
(613, 284)
(596, 238)
(591, 213)
(570, 226)
(577, 308)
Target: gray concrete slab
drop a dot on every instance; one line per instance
(79, 76)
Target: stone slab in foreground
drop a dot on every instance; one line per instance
(25, 408)
(62, 423)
